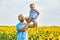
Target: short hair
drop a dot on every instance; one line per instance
(20, 15)
(32, 4)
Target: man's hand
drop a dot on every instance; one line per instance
(28, 20)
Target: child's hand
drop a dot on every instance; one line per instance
(36, 16)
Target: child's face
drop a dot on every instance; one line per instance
(32, 7)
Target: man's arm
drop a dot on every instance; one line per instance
(23, 29)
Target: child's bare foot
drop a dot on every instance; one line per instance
(37, 32)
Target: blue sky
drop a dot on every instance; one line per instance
(49, 11)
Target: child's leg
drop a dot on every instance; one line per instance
(35, 25)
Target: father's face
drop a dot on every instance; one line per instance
(21, 18)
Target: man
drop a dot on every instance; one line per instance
(22, 28)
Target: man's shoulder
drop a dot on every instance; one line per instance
(18, 24)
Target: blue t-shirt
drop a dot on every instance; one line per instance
(33, 13)
(21, 35)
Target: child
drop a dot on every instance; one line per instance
(33, 15)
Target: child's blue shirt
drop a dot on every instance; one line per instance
(33, 13)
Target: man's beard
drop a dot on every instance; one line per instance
(22, 20)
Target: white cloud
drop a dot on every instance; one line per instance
(32, 0)
(49, 11)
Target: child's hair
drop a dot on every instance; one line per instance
(32, 4)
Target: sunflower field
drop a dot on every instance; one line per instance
(44, 33)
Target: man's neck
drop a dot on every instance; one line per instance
(22, 22)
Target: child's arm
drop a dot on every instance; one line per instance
(37, 14)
